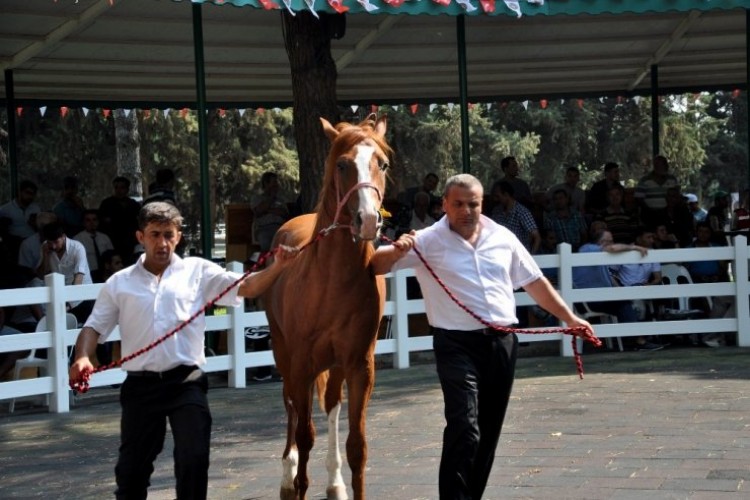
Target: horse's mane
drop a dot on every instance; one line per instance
(349, 136)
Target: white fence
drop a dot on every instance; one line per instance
(398, 343)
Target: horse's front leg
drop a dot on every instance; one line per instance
(336, 489)
(359, 381)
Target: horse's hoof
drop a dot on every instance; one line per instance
(287, 494)
(337, 492)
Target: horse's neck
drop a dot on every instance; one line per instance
(341, 250)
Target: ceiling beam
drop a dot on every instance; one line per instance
(662, 51)
(70, 26)
(366, 41)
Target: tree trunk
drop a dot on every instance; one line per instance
(308, 46)
(128, 143)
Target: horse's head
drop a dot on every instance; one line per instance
(356, 171)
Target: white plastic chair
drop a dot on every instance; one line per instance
(31, 361)
(675, 274)
(602, 317)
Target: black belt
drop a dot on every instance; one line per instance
(481, 331)
(182, 370)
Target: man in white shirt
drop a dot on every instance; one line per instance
(63, 255)
(149, 299)
(95, 243)
(21, 212)
(481, 262)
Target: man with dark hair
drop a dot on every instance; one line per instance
(521, 189)
(21, 210)
(514, 216)
(576, 195)
(429, 184)
(147, 300)
(163, 188)
(95, 242)
(269, 210)
(118, 218)
(66, 256)
(597, 196)
(69, 209)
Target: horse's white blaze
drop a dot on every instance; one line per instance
(289, 472)
(333, 460)
(366, 209)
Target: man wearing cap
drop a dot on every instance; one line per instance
(699, 213)
(66, 256)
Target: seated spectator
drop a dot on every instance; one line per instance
(576, 195)
(20, 212)
(597, 197)
(663, 239)
(640, 273)
(599, 276)
(548, 246)
(699, 213)
(420, 217)
(163, 188)
(710, 271)
(718, 218)
(66, 256)
(511, 214)
(95, 242)
(111, 263)
(429, 185)
(69, 210)
(567, 223)
(741, 213)
(269, 211)
(30, 252)
(676, 217)
(521, 189)
(118, 218)
(621, 223)
(651, 191)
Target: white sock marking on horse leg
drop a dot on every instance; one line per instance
(289, 465)
(333, 460)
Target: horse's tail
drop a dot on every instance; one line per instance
(321, 382)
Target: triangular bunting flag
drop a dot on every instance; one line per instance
(277, 110)
(354, 108)
(85, 111)
(42, 110)
(450, 106)
(63, 111)
(242, 112)
(525, 104)
(543, 103)
(514, 6)
(413, 108)
(367, 5)
(432, 107)
(127, 112)
(466, 4)
(311, 5)
(165, 112)
(19, 110)
(106, 112)
(338, 6)
(488, 6)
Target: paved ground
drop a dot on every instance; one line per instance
(673, 424)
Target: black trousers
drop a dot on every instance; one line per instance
(148, 399)
(476, 371)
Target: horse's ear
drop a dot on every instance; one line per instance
(328, 129)
(380, 126)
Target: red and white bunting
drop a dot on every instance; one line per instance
(43, 110)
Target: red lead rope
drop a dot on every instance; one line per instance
(573, 331)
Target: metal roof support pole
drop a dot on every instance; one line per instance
(655, 108)
(463, 90)
(747, 88)
(10, 107)
(200, 87)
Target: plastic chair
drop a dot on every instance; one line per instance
(674, 274)
(31, 361)
(602, 317)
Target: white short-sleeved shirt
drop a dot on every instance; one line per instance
(19, 218)
(103, 243)
(482, 278)
(147, 308)
(73, 262)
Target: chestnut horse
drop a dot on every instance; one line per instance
(325, 309)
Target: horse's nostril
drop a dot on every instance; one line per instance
(359, 218)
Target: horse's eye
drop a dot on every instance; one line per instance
(342, 164)
(384, 165)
